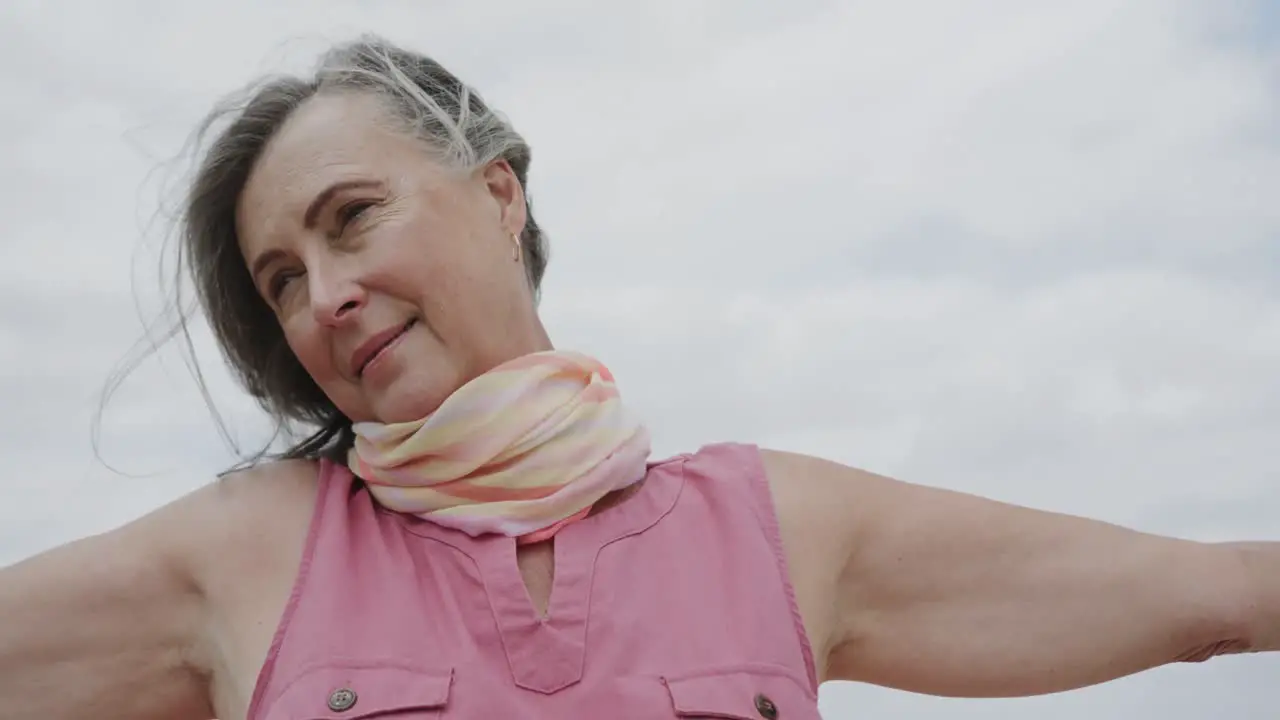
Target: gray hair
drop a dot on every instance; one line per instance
(431, 103)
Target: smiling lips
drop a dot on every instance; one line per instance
(372, 348)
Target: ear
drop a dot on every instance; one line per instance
(504, 187)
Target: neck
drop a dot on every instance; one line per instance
(537, 442)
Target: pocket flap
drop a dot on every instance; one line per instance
(352, 692)
(741, 694)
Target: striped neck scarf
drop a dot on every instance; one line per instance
(521, 451)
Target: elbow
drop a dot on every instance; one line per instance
(1255, 613)
(1232, 617)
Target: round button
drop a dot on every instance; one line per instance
(766, 707)
(342, 699)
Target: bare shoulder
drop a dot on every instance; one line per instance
(812, 498)
(264, 485)
(841, 508)
(271, 493)
(253, 524)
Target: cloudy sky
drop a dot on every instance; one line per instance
(1026, 249)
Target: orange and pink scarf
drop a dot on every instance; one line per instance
(521, 451)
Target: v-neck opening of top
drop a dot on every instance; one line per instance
(546, 651)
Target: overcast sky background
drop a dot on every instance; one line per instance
(1029, 250)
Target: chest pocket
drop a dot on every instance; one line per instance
(364, 692)
(741, 694)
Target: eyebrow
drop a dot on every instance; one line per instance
(324, 196)
(264, 260)
(311, 215)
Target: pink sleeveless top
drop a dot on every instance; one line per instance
(675, 603)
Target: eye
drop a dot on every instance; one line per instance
(279, 283)
(351, 212)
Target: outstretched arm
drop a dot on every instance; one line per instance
(106, 627)
(948, 594)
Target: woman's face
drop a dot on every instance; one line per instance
(394, 278)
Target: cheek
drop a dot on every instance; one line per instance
(305, 341)
(428, 277)
(311, 349)
(455, 279)
(432, 245)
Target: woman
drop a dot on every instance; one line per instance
(475, 529)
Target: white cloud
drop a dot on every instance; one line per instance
(1028, 250)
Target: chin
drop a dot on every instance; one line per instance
(407, 401)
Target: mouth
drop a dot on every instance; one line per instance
(376, 346)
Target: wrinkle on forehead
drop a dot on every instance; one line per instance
(329, 138)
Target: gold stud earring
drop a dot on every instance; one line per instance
(515, 254)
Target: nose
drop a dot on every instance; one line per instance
(335, 298)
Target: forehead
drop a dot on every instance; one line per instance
(329, 138)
